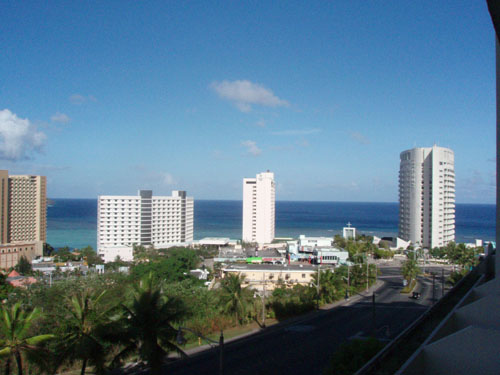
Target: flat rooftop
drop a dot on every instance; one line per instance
(271, 267)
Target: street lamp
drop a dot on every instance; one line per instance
(317, 287)
(263, 299)
(181, 341)
(374, 330)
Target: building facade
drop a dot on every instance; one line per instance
(4, 206)
(267, 277)
(427, 196)
(23, 217)
(27, 208)
(259, 195)
(144, 219)
(11, 253)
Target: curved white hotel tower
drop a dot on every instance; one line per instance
(427, 196)
(258, 208)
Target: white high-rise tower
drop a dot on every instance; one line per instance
(427, 196)
(258, 208)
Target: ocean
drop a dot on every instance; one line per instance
(73, 222)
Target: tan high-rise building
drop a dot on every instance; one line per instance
(27, 208)
(23, 217)
(4, 206)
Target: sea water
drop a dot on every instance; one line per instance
(73, 222)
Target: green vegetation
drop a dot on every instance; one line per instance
(16, 342)
(352, 355)
(410, 270)
(23, 266)
(408, 288)
(458, 254)
(98, 322)
(234, 298)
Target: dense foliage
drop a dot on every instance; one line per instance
(96, 322)
(352, 355)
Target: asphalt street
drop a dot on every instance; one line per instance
(306, 346)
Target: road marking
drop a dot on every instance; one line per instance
(389, 277)
(366, 305)
(300, 328)
(357, 335)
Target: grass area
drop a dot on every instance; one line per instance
(228, 333)
(409, 287)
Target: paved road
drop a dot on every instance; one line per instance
(306, 346)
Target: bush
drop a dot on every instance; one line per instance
(351, 356)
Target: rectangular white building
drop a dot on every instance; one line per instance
(259, 208)
(144, 219)
(427, 196)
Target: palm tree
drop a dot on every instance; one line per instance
(146, 326)
(15, 324)
(331, 285)
(234, 297)
(410, 270)
(85, 326)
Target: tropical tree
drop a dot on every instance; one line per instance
(410, 269)
(146, 325)
(15, 343)
(85, 326)
(331, 286)
(47, 250)
(24, 266)
(5, 287)
(234, 298)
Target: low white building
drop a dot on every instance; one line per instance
(214, 241)
(110, 253)
(330, 255)
(307, 244)
(349, 232)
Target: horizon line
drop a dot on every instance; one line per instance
(287, 200)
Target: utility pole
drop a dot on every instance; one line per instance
(367, 272)
(348, 277)
(442, 282)
(221, 353)
(317, 287)
(264, 304)
(374, 325)
(433, 288)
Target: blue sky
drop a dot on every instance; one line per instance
(113, 96)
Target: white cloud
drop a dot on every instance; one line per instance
(297, 132)
(18, 137)
(244, 94)
(360, 138)
(60, 117)
(167, 179)
(261, 123)
(79, 99)
(252, 148)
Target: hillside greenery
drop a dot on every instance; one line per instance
(99, 322)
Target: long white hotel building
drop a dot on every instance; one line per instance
(427, 196)
(259, 208)
(144, 219)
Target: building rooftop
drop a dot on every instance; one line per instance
(271, 267)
